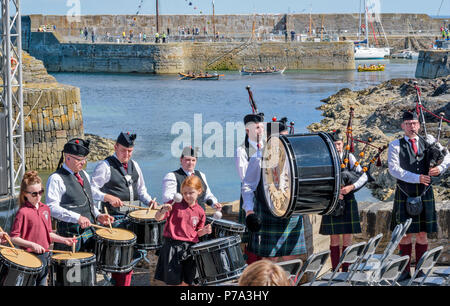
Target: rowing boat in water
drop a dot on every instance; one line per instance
(258, 72)
(203, 77)
(371, 68)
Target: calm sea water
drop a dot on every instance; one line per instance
(149, 105)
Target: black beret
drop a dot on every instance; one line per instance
(77, 146)
(277, 126)
(254, 118)
(409, 116)
(336, 135)
(126, 139)
(189, 151)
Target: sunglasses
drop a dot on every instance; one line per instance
(36, 193)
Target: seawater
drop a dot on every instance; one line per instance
(149, 105)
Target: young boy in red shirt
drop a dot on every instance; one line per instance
(32, 227)
(185, 224)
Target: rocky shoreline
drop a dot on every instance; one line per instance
(378, 111)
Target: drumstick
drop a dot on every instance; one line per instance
(9, 240)
(73, 245)
(58, 251)
(109, 221)
(99, 227)
(134, 206)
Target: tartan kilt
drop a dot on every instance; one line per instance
(277, 236)
(425, 222)
(348, 223)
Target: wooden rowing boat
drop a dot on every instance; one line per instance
(371, 68)
(202, 77)
(262, 72)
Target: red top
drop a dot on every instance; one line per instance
(183, 222)
(33, 224)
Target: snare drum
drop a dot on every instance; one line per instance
(224, 228)
(114, 250)
(77, 269)
(20, 269)
(149, 232)
(218, 260)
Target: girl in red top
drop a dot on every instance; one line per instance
(185, 224)
(32, 227)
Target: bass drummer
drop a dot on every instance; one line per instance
(347, 222)
(271, 238)
(116, 180)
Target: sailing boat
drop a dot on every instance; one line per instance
(366, 52)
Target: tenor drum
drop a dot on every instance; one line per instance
(301, 174)
(224, 228)
(77, 269)
(218, 260)
(114, 250)
(149, 232)
(20, 269)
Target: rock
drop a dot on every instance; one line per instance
(378, 112)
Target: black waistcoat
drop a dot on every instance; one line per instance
(118, 185)
(76, 198)
(412, 163)
(180, 175)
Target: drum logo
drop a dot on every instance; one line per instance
(194, 221)
(45, 213)
(74, 273)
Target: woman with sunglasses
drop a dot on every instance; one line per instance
(32, 227)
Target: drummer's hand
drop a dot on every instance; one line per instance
(70, 241)
(114, 201)
(105, 219)
(3, 236)
(349, 188)
(166, 208)
(434, 171)
(207, 229)
(425, 179)
(217, 206)
(36, 248)
(341, 196)
(249, 212)
(84, 222)
(153, 204)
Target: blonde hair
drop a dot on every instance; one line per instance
(193, 182)
(264, 273)
(29, 178)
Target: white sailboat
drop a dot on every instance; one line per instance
(367, 52)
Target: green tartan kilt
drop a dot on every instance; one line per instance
(348, 223)
(277, 236)
(425, 222)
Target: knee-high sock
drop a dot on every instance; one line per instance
(335, 256)
(406, 249)
(251, 257)
(420, 250)
(122, 279)
(344, 265)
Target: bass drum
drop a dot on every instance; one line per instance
(301, 174)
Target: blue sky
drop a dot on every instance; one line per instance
(121, 7)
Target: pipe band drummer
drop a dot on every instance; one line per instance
(69, 197)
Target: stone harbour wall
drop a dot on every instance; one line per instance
(433, 64)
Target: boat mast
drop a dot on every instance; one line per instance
(213, 22)
(157, 16)
(359, 28)
(366, 30)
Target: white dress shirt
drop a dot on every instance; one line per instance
(102, 175)
(394, 161)
(170, 187)
(241, 158)
(54, 191)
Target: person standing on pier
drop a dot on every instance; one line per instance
(172, 180)
(116, 180)
(408, 162)
(69, 197)
(347, 223)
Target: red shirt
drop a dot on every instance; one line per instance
(184, 221)
(33, 224)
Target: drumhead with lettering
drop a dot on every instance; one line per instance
(23, 258)
(68, 256)
(116, 234)
(143, 214)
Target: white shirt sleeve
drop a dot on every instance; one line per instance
(208, 194)
(54, 190)
(241, 162)
(101, 175)
(363, 178)
(169, 188)
(394, 165)
(144, 197)
(250, 183)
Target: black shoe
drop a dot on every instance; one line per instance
(404, 276)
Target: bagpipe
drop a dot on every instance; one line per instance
(350, 175)
(435, 152)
